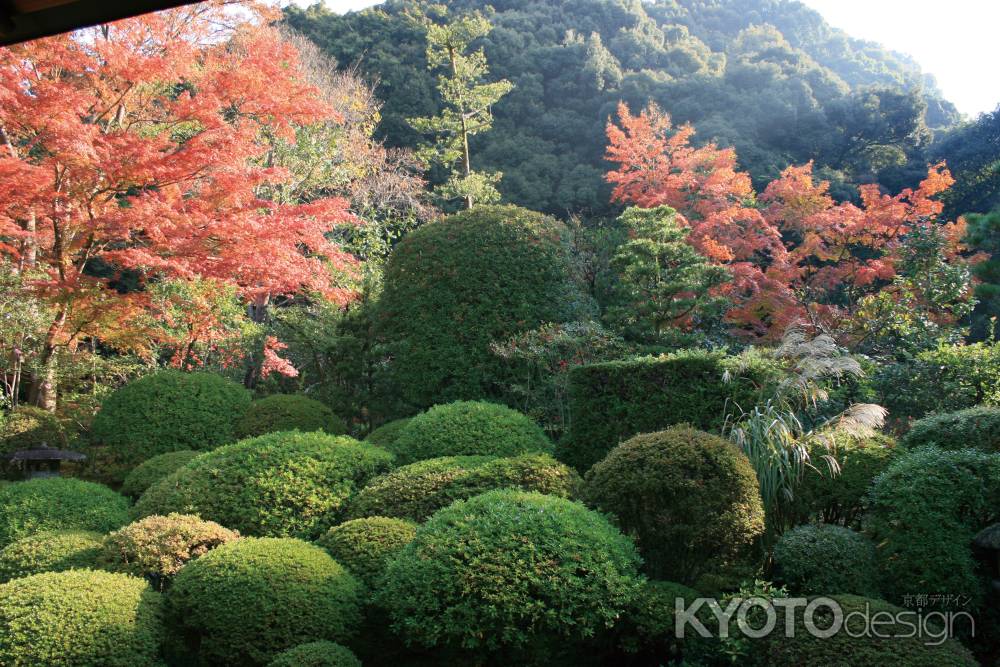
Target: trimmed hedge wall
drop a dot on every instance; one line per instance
(316, 654)
(976, 428)
(288, 412)
(610, 402)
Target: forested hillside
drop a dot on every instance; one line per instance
(768, 77)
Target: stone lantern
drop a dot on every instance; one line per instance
(43, 461)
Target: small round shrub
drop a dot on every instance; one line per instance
(79, 617)
(418, 490)
(686, 495)
(855, 643)
(365, 546)
(27, 427)
(316, 654)
(287, 484)
(51, 551)
(158, 546)
(386, 434)
(250, 599)
(506, 570)
(821, 559)
(165, 412)
(647, 626)
(975, 428)
(288, 412)
(152, 470)
(58, 503)
(468, 428)
(840, 498)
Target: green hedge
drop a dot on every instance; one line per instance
(365, 546)
(508, 571)
(418, 490)
(287, 484)
(975, 428)
(288, 412)
(27, 427)
(164, 412)
(821, 559)
(468, 428)
(251, 599)
(58, 503)
(82, 618)
(152, 470)
(647, 630)
(687, 496)
(316, 654)
(610, 402)
(51, 551)
(454, 286)
(387, 433)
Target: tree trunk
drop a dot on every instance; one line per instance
(257, 312)
(466, 159)
(44, 382)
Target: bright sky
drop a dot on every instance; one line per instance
(954, 40)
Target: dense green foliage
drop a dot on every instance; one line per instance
(280, 484)
(974, 428)
(386, 434)
(647, 625)
(288, 412)
(821, 559)
(468, 428)
(157, 547)
(316, 654)
(80, 618)
(924, 511)
(454, 286)
(687, 497)
(28, 427)
(506, 570)
(58, 503)
(51, 551)
(365, 546)
(771, 78)
(971, 152)
(152, 470)
(983, 236)
(248, 600)
(852, 646)
(418, 490)
(164, 412)
(610, 402)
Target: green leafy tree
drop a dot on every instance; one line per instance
(467, 104)
(983, 235)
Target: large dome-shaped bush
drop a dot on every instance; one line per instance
(455, 286)
(686, 495)
(507, 569)
(82, 618)
(975, 428)
(288, 412)
(248, 600)
(51, 551)
(418, 490)
(365, 546)
(152, 470)
(316, 654)
(165, 412)
(468, 428)
(386, 434)
(58, 503)
(822, 559)
(280, 484)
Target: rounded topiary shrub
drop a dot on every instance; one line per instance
(508, 570)
(821, 559)
(58, 503)
(158, 546)
(840, 498)
(249, 600)
(647, 626)
(288, 412)
(27, 427)
(975, 428)
(856, 643)
(79, 617)
(418, 490)
(152, 470)
(51, 551)
(287, 484)
(386, 434)
(686, 495)
(468, 428)
(455, 286)
(165, 412)
(365, 546)
(316, 654)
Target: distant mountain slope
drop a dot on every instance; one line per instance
(768, 77)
